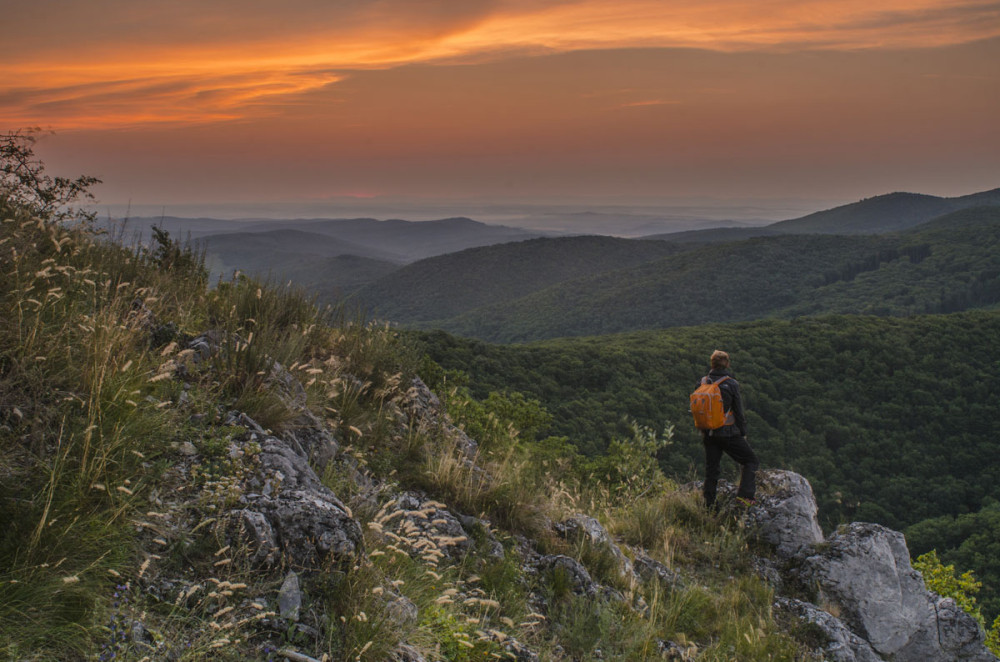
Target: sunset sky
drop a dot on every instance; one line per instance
(186, 103)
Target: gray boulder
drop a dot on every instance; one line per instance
(785, 516)
(310, 437)
(302, 518)
(579, 579)
(255, 534)
(587, 529)
(290, 597)
(865, 573)
(311, 529)
(837, 642)
(648, 569)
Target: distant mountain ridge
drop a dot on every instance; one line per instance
(891, 212)
(314, 252)
(405, 241)
(949, 263)
(506, 283)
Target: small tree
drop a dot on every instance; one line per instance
(630, 467)
(962, 589)
(942, 580)
(993, 637)
(23, 181)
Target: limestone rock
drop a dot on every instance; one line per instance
(432, 522)
(866, 573)
(305, 520)
(583, 527)
(480, 528)
(579, 579)
(290, 597)
(206, 345)
(255, 534)
(310, 437)
(785, 514)
(840, 644)
(648, 569)
(310, 529)
(284, 469)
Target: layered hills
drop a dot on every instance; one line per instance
(333, 257)
(943, 265)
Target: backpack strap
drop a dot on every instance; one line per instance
(705, 380)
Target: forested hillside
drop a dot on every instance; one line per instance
(893, 420)
(950, 264)
(448, 285)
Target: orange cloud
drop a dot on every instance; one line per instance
(111, 63)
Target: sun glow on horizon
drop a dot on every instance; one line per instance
(545, 99)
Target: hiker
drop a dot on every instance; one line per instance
(730, 438)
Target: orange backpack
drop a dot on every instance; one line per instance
(707, 408)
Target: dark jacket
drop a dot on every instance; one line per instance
(731, 401)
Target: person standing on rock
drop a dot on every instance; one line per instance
(730, 438)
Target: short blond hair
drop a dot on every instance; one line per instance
(719, 360)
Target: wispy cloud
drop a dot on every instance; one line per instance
(166, 100)
(113, 62)
(646, 104)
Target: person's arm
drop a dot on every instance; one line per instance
(738, 412)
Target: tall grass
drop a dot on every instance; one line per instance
(81, 415)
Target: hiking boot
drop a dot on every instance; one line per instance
(743, 501)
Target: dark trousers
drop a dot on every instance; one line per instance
(738, 449)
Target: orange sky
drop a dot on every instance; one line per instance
(184, 102)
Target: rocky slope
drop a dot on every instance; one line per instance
(855, 591)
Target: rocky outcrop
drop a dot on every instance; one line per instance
(835, 639)
(864, 570)
(288, 513)
(423, 408)
(583, 528)
(875, 604)
(575, 574)
(856, 592)
(648, 569)
(427, 527)
(786, 517)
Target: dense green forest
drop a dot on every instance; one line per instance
(448, 285)
(949, 264)
(893, 420)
